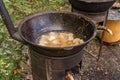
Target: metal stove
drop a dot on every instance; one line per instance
(54, 68)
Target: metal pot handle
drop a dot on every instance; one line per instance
(8, 22)
(105, 28)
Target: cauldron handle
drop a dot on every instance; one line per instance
(104, 29)
(8, 22)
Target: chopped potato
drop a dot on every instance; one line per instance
(59, 39)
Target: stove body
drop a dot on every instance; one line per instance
(52, 68)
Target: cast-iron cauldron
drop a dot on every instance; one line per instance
(35, 25)
(92, 6)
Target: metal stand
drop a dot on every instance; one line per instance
(101, 43)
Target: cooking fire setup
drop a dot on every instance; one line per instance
(86, 18)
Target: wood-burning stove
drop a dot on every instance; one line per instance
(53, 68)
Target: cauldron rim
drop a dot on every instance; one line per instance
(62, 12)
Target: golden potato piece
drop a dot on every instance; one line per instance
(63, 39)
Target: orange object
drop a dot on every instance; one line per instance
(114, 26)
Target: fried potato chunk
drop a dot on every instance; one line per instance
(59, 39)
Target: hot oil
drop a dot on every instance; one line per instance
(58, 39)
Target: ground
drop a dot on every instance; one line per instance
(107, 68)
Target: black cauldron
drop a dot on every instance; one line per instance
(37, 24)
(92, 6)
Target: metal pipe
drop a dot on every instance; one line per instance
(6, 18)
(8, 22)
(101, 42)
